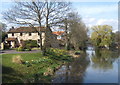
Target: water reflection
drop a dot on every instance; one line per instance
(72, 72)
(103, 59)
(87, 68)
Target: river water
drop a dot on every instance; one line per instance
(100, 66)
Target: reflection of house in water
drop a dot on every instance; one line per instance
(17, 35)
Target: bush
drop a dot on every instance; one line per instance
(35, 48)
(58, 54)
(55, 51)
(6, 46)
(77, 53)
(27, 63)
(30, 44)
(28, 47)
(23, 49)
(20, 49)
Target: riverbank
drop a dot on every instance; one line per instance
(91, 67)
(32, 67)
(75, 54)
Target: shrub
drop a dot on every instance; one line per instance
(58, 54)
(77, 53)
(55, 51)
(30, 43)
(6, 46)
(28, 47)
(35, 48)
(20, 49)
(27, 63)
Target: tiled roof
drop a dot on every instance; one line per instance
(58, 32)
(10, 39)
(26, 29)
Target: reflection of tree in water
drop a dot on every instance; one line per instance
(75, 71)
(103, 59)
(78, 68)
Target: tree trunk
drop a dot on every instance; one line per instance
(45, 41)
(40, 34)
(66, 36)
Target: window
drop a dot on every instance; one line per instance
(29, 34)
(20, 34)
(12, 34)
(38, 40)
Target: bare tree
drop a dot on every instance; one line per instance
(3, 27)
(36, 13)
(27, 13)
(66, 35)
(3, 33)
(67, 24)
(75, 31)
(55, 12)
(78, 32)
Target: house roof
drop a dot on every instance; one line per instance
(26, 29)
(58, 32)
(10, 39)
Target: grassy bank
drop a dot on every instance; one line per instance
(34, 67)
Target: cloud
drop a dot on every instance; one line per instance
(112, 22)
(99, 13)
(107, 21)
(97, 10)
(0, 16)
(69, 0)
(93, 21)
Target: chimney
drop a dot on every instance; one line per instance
(12, 27)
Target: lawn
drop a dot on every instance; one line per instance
(36, 68)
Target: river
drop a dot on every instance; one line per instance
(100, 66)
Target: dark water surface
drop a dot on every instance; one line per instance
(100, 66)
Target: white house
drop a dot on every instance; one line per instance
(16, 35)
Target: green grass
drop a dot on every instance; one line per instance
(16, 73)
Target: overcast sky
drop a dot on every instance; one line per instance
(92, 13)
